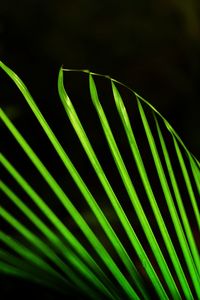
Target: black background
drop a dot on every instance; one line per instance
(152, 45)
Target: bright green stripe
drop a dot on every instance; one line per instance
(195, 165)
(50, 214)
(194, 162)
(58, 224)
(188, 183)
(52, 237)
(46, 250)
(141, 168)
(33, 239)
(195, 171)
(72, 210)
(180, 234)
(53, 218)
(90, 200)
(31, 215)
(56, 188)
(170, 204)
(179, 200)
(129, 186)
(100, 173)
(197, 162)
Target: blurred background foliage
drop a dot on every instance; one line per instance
(152, 45)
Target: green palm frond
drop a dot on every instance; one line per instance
(117, 217)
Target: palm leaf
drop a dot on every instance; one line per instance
(136, 239)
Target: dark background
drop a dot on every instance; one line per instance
(151, 45)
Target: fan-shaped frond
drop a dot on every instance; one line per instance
(111, 208)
